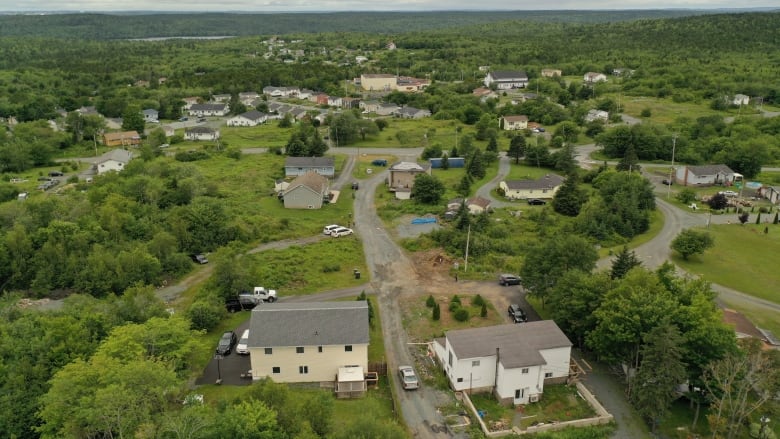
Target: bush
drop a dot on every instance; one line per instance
(461, 315)
(190, 156)
(234, 153)
(436, 312)
(478, 301)
(455, 299)
(686, 196)
(205, 315)
(331, 268)
(454, 306)
(646, 112)
(483, 310)
(430, 302)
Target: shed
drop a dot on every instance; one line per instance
(350, 382)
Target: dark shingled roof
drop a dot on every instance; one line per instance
(308, 162)
(710, 170)
(549, 181)
(518, 344)
(309, 324)
(311, 180)
(506, 75)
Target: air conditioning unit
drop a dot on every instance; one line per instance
(533, 398)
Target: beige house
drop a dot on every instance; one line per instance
(551, 73)
(593, 77)
(378, 82)
(307, 191)
(124, 138)
(477, 205)
(308, 342)
(402, 175)
(512, 123)
(545, 187)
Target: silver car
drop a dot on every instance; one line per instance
(408, 378)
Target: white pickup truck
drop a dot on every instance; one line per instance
(257, 296)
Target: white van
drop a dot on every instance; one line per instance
(243, 343)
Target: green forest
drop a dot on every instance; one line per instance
(107, 244)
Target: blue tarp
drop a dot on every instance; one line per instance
(423, 220)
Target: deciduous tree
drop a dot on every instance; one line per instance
(690, 242)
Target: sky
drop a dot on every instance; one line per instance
(360, 5)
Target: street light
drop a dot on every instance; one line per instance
(219, 357)
(671, 170)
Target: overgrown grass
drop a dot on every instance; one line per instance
(559, 403)
(677, 424)
(267, 135)
(419, 323)
(665, 111)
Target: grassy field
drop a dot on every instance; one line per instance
(665, 111)
(267, 135)
(419, 323)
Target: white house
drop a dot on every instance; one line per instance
(594, 115)
(412, 113)
(248, 119)
(740, 99)
(210, 109)
(771, 193)
(201, 133)
(114, 160)
(706, 175)
(248, 97)
(295, 166)
(308, 342)
(477, 205)
(334, 101)
(506, 79)
(513, 361)
(593, 77)
(512, 123)
(544, 187)
(150, 115)
(221, 98)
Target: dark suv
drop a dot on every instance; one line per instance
(226, 343)
(517, 314)
(508, 279)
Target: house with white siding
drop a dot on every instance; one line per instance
(512, 361)
(114, 160)
(506, 79)
(201, 133)
(248, 119)
(706, 175)
(594, 77)
(211, 109)
(295, 166)
(544, 187)
(308, 342)
(513, 123)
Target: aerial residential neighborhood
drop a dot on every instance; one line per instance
(337, 224)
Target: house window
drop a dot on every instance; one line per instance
(299, 350)
(460, 380)
(348, 348)
(525, 370)
(475, 363)
(519, 393)
(319, 349)
(548, 374)
(303, 369)
(450, 359)
(269, 351)
(276, 369)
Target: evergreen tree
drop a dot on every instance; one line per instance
(454, 151)
(630, 161)
(133, 119)
(464, 217)
(758, 218)
(623, 263)
(436, 312)
(570, 197)
(517, 148)
(464, 187)
(483, 311)
(445, 161)
(492, 145)
(775, 221)
(476, 166)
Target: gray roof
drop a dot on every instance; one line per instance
(207, 107)
(710, 170)
(411, 111)
(254, 115)
(309, 324)
(119, 155)
(200, 130)
(309, 162)
(507, 75)
(518, 344)
(549, 181)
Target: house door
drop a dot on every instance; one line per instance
(521, 396)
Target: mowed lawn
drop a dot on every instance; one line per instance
(744, 258)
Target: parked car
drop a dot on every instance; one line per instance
(517, 314)
(242, 348)
(408, 378)
(355, 185)
(508, 279)
(55, 174)
(201, 119)
(536, 202)
(538, 130)
(379, 162)
(327, 229)
(234, 305)
(666, 182)
(184, 119)
(200, 258)
(730, 194)
(341, 231)
(226, 343)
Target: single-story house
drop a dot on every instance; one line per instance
(309, 341)
(369, 106)
(512, 123)
(122, 138)
(248, 97)
(594, 115)
(408, 84)
(593, 77)
(296, 166)
(402, 175)
(706, 175)
(334, 101)
(210, 109)
(477, 205)
(221, 98)
(275, 92)
(305, 93)
(320, 99)
(551, 73)
(248, 119)
(307, 191)
(298, 113)
(114, 160)
(512, 361)
(387, 109)
(189, 102)
(151, 115)
(740, 99)
(412, 113)
(544, 187)
(168, 130)
(201, 133)
(771, 193)
(506, 79)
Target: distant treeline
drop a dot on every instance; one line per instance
(114, 26)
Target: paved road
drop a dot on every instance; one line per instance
(486, 191)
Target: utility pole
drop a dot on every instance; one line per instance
(468, 238)
(671, 170)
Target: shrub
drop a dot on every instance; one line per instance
(461, 315)
(234, 153)
(455, 299)
(190, 156)
(430, 302)
(763, 209)
(454, 306)
(646, 112)
(478, 301)
(204, 315)
(330, 268)
(483, 311)
(436, 312)
(686, 196)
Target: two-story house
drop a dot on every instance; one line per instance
(506, 79)
(512, 123)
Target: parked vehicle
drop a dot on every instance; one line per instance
(379, 162)
(730, 194)
(234, 305)
(199, 258)
(517, 314)
(536, 202)
(666, 182)
(201, 119)
(55, 174)
(257, 296)
(355, 185)
(330, 228)
(184, 119)
(408, 378)
(508, 279)
(341, 231)
(242, 347)
(226, 343)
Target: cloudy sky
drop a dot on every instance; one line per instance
(362, 5)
